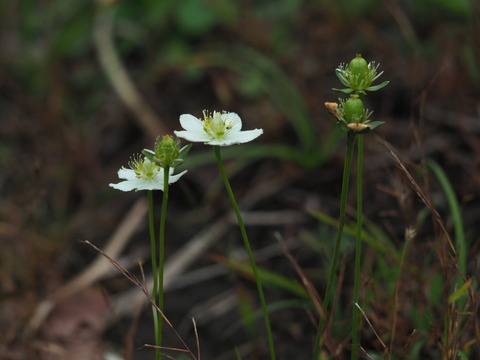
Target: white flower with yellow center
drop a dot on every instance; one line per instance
(219, 128)
(144, 175)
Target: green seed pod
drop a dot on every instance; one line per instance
(354, 110)
(358, 67)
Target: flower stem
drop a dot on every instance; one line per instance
(161, 253)
(358, 253)
(249, 251)
(341, 223)
(154, 294)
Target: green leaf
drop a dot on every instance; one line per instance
(149, 154)
(378, 87)
(184, 151)
(345, 91)
(374, 124)
(271, 278)
(460, 292)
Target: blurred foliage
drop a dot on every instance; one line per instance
(165, 33)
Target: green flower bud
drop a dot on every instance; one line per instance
(358, 67)
(354, 110)
(167, 151)
(358, 76)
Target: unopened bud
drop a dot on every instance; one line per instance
(331, 106)
(353, 110)
(166, 151)
(358, 67)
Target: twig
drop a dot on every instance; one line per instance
(307, 284)
(385, 348)
(118, 75)
(423, 197)
(176, 264)
(144, 289)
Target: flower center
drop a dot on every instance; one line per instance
(143, 168)
(214, 125)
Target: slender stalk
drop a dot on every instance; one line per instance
(154, 294)
(249, 252)
(341, 223)
(161, 255)
(358, 252)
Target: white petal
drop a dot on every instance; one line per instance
(191, 123)
(237, 138)
(193, 136)
(124, 186)
(222, 142)
(155, 183)
(174, 178)
(232, 119)
(126, 174)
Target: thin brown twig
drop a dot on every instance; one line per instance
(164, 348)
(307, 284)
(196, 337)
(144, 289)
(385, 347)
(420, 193)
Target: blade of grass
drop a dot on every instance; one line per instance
(378, 241)
(269, 278)
(461, 244)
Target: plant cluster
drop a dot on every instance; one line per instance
(154, 170)
(353, 118)
(358, 76)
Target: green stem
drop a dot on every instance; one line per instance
(161, 254)
(341, 222)
(154, 294)
(249, 251)
(358, 252)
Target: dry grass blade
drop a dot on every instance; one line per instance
(196, 337)
(385, 348)
(420, 193)
(130, 300)
(144, 289)
(307, 284)
(165, 348)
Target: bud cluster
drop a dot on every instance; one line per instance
(358, 76)
(167, 152)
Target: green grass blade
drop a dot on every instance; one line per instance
(451, 198)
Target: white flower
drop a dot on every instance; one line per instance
(219, 128)
(144, 175)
